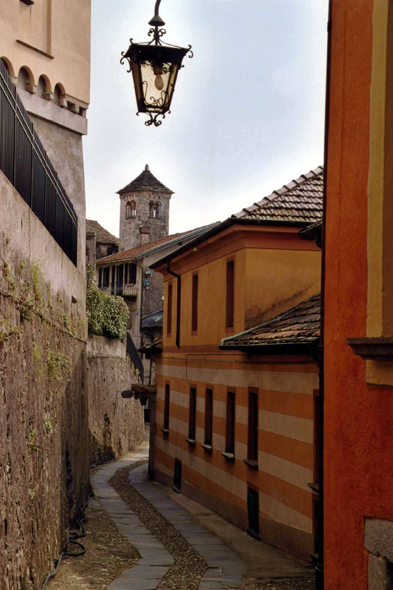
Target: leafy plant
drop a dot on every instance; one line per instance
(107, 315)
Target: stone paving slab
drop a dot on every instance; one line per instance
(155, 559)
(225, 567)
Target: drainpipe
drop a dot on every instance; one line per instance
(178, 277)
(141, 307)
(320, 417)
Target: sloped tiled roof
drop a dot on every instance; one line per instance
(298, 201)
(299, 325)
(145, 182)
(136, 252)
(133, 252)
(153, 320)
(102, 235)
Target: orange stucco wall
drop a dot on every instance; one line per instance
(358, 416)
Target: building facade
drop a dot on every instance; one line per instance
(358, 476)
(99, 242)
(235, 427)
(46, 49)
(44, 431)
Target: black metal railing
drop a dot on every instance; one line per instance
(134, 355)
(26, 164)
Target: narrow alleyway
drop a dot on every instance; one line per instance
(173, 542)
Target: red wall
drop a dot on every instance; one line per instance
(358, 417)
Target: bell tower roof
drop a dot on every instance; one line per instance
(146, 183)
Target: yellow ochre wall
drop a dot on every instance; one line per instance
(285, 455)
(50, 38)
(277, 280)
(273, 272)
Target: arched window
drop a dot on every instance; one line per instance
(43, 87)
(130, 209)
(152, 209)
(25, 80)
(59, 96)
(8, 66)
(158, 210)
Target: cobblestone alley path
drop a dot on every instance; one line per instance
(146, 537)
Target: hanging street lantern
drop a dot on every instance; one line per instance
(155, 66)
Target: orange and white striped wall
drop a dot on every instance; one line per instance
(286, 387)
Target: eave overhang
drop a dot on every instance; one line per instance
(218, 229)
(287, 349)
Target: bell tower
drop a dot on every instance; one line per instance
(144, 211)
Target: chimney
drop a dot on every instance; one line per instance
(144, 235)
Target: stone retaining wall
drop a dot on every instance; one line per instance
(44, 443)
(116, 424)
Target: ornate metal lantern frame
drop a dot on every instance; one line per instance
(155, 66)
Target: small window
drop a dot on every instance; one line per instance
(209, 417)
(253, 512)
(128, 211)
(106, 276)
(230, 293)
(169, 310)
(192, 414)
(166, 406)
(158, 210)
(100, 278)
(230, 426)
(132, 273)
(152, 209)
(252, 447)
(177, 476)
(194, 306)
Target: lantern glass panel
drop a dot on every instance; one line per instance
(155, 82)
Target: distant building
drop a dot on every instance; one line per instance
(237, 378)
(127, 273)
(99, 242)
(144, 211)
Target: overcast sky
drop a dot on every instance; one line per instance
(247, 113)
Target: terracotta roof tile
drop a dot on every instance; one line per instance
(145, 182)
(298, 201)
(301, 324)
(102, 235)
(133, 252)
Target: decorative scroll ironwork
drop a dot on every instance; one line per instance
(166, 53)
